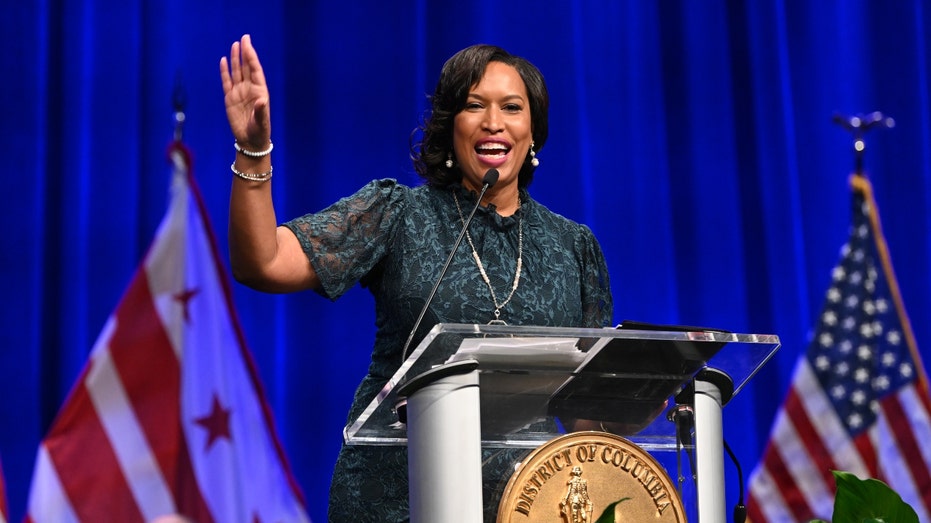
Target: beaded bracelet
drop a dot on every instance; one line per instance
(254, 154)
(260, 177)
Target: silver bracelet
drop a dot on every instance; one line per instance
(254, 154)
(260, 177)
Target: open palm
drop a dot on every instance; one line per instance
(246, 95)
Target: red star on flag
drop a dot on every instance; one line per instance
(184, 297)
(217, 423)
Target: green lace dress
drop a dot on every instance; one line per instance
(394, 239)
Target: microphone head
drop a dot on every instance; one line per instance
(491, 177)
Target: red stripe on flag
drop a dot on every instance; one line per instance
(781, 475)
(80, 451)
(921, 391)
(905, 439)
(151, 375)
(187, 492)
(867, 454)
(149, 370)
(753, 504)
(753, 509)
(808, 434)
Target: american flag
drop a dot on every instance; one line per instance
(859, 400)
(168, 417)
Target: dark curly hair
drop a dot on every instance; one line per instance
(460, 73)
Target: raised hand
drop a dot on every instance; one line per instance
(246, 96)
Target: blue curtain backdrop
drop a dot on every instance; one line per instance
(695, 138)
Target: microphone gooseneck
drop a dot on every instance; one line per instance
(488, 181)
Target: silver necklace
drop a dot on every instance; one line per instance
(481, 267)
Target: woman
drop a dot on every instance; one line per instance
(522, 264)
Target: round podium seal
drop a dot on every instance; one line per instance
(579, 477)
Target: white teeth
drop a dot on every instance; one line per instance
(492, 149)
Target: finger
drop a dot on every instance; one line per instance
(260, 110)
(225, 75)
(235, 64)
(250, 58)
(245, 46)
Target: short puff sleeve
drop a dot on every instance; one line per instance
(347, 239)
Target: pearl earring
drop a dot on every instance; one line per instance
(533, 156)
(449, 160)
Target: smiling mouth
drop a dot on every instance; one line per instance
(492, 150)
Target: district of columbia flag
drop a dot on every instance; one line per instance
(858, 400)
(169, 415)
(4, 508)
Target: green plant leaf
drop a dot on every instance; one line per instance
(868, 501)
(608, 515)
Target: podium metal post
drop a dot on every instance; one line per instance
(709, 448)
(444, 450)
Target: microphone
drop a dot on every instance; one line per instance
(488, 181)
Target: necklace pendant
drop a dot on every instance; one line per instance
(497, 320)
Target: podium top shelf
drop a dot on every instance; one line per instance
(533, 379)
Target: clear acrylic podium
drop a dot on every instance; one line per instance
(466, 387)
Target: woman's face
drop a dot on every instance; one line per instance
(494, 129)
